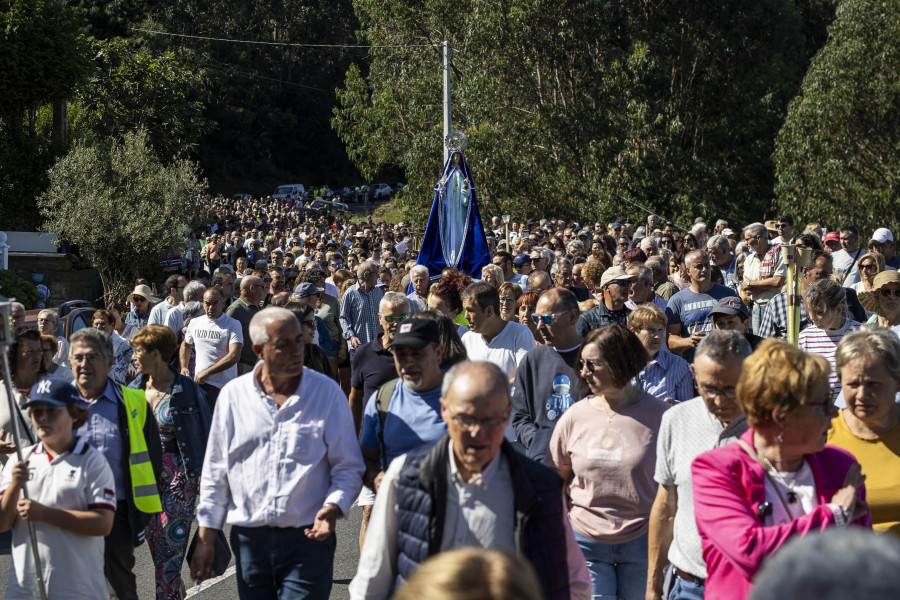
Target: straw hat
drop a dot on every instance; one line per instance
(143, 291)
(869, 299)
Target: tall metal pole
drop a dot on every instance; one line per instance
(446, 97)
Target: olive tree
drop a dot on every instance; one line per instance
(122, 207)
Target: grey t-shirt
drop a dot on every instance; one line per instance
(687, 430)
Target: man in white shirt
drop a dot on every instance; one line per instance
(472, 489)
(175, 286)
(846, 260)
(490, 338)
(282, 464)
(217, 339)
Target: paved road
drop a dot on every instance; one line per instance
(225, 588)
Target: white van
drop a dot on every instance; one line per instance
(294, 190)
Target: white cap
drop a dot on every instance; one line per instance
(882, 235)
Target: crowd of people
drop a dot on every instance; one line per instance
(601, 412)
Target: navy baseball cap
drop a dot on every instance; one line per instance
(306, 289)
(730, 305)
(521, 259)
(54, 391)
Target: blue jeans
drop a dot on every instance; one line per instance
(281, 563)
(685, 590)
(617, 570)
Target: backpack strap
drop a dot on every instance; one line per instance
(382, 404)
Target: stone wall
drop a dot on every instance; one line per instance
(65, 281)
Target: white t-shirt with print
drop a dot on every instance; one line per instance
(211, 340)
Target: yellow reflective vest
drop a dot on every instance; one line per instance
(144, 491)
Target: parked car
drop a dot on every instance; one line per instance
(242, 197)
(381, 191)
(73, 315)
(327, 206)
(171, 263)
(294, 190)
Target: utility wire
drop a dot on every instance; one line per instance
(291, 44)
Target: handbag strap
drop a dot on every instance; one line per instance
(847, 272)
(752, 453)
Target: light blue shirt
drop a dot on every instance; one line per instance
(666, 376)
(102, 432)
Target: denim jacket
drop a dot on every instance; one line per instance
(192, 418)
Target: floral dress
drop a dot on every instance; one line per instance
(168, 532)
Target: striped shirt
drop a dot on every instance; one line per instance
(824, 343)
(774, 321)
(666, 376)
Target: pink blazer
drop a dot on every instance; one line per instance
(728, 487)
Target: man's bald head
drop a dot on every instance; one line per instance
(472, 376)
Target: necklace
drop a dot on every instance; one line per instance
(791, 494)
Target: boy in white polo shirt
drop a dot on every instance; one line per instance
(72, 501)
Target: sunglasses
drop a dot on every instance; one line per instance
(395, 318)
(546, 319)
(589, 365)
(886, 293)
(621, 282)
(867, 267)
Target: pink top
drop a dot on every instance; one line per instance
(728, 487)
(612, 463)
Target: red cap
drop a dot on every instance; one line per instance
(832, 236)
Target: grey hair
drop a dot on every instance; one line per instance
(497, 271)
(666, 255)
(881, 345)
(365, 267)
(718, 241)
(535, 275)
(393, 299)
(696, 229)
(868, 567)
(826, 294)
(689, 255)
(18, 305)
(224, 269)
(191, 310)
(720, 345)
(549, 254)
(194, 291)
(53, 316)
(419, 270)
(756, 229)
(559, 262)
(577, 244)
(260, 321)
(649, 241)
(90, 335)
(464, 367)
(643, 272)
(261, 265)
(658, 264)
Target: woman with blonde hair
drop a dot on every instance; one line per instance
(666, 377)
(472, 574)
(779, 481)
(870, 265)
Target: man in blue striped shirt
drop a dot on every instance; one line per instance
(359, 307)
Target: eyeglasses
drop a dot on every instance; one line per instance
(782, 225)
(886, 293)
(590, 365)
(711, 392)
(470, 424)
(824, 408)
(546, 319)
(395, 318)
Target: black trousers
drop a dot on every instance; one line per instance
(118, 556)
(212, 393)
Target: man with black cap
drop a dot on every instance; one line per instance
(405, 413)
(731, 314)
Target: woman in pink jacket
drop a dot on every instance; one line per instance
(780, 480)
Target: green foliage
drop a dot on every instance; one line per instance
(838, 154)
(13, 286)
(582, 109)
(130, 88)
(121, 206)
(41, 60)
(270, 104)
